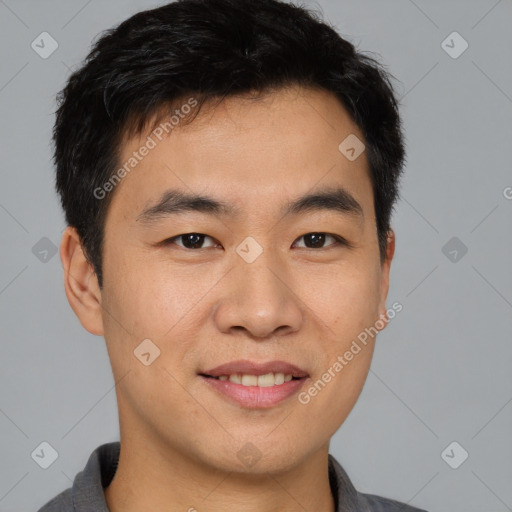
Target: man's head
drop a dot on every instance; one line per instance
(209, 50)
(225, 120)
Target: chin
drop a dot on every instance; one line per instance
(260, 457)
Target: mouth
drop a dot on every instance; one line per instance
(255, 385)
(263, 381)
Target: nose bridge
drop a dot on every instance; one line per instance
(259, 281)
(259, 299)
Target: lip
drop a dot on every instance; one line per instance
(253, 368)
(255, 397)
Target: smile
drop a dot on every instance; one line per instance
(255, 385)
(262, 381)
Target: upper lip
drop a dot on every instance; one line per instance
(253, 368)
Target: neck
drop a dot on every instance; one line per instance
(151, 477)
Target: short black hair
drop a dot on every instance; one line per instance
(210, 50)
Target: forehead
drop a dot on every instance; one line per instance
(248, 152)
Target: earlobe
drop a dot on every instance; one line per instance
(80, 282)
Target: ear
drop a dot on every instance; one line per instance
(80, 282)
(384, 283)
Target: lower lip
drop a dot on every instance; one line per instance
(255, 397)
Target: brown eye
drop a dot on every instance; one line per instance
(317, 240)
(190, 241)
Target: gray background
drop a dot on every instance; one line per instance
(441, 370)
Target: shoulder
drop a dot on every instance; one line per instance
(87, 491)
(374, 503)
(63, 502)
(348, 498)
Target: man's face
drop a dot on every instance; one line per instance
(290, 293)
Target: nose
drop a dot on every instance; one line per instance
(259, 300)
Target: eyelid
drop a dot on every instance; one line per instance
(339, 241)
(172, 240)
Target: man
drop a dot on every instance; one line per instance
(228, 170)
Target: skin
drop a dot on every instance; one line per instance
(205, 307)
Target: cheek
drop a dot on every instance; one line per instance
(333, 393)
(346, 300)
(349, 308)
(156, 302)
(147, 301)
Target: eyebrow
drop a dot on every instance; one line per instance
(174, 202)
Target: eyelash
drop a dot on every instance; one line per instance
(339, 241)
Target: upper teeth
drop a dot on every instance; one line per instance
(264, 381)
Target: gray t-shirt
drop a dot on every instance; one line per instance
(86, 494)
